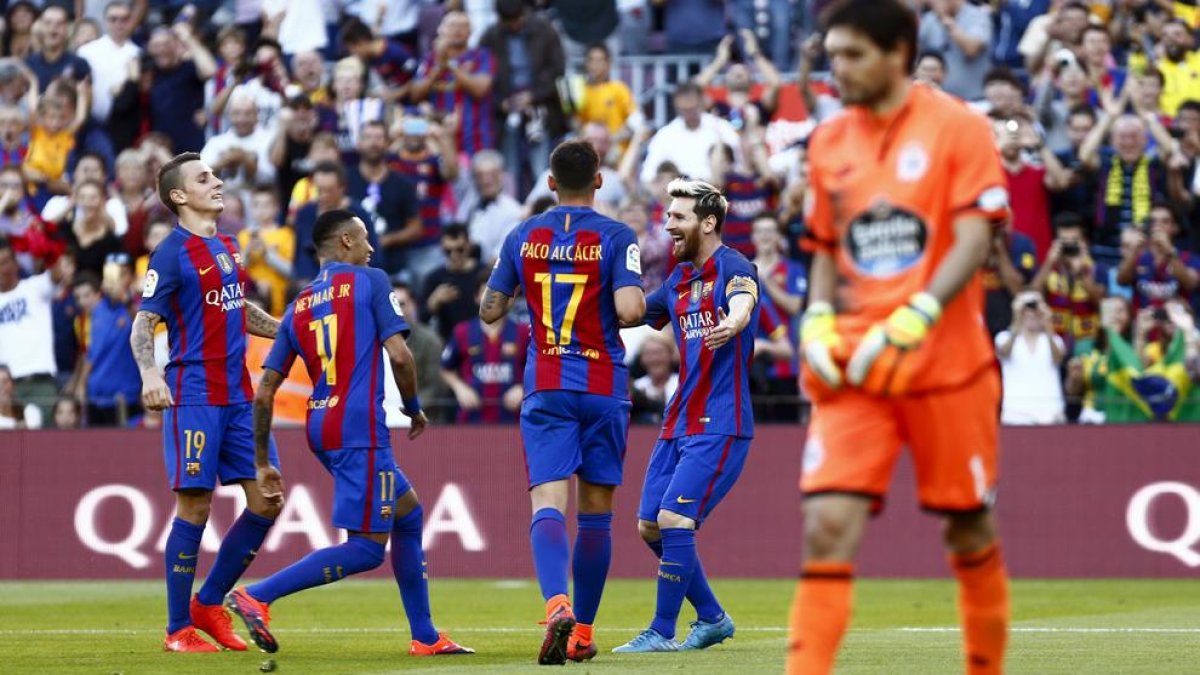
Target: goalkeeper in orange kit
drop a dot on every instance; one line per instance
(895, 349)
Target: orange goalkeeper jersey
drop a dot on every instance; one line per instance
(885, 192)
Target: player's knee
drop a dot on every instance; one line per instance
(193, 507)
(267, 509)
(670, 519)
(829, 533)
(968, 532)
(649, 531)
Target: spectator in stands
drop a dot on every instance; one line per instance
(1179, 65)
(15, 413)
(89, 166)
(1030, 354)
(771, 21)
(397, 20)
(653, 240)
(484, 365)
(1003, 94)
(651, 392)
(156, 231)
(110, 57)
(819, 105)
(427, 155)
(137, 196)
(458, 79)
(233, 68)
(751, 187)
(1087, 373)
(264, 81)
(329, 180)
(1129, 178)
(324, 148)
(1062, 89)
(13, 145)
(426, 348)
(784, 283)
(1079, 193)
(962, 33)
(26, 330)
(84, 31)
(687, 141)
(612, 190)
(1154, 266)
(487, 210)
(1029, 184)
(739, 108)
(18, 24)
(1095, 56)
(1047, 35)
(1013, 19)
(90, 235)
(108, 379)
(583, 24)
(930, 69)
(528, 114)
(1010, 267)
(393, 62)
(52, 138)
(448, 293)
(129, 115)
(308, 77)
(353, 107)
(269, 248)
(33, 243)
(300, 25)
(693, 26)
(389, 198)
(67, 413)
(607, 101)
(1072, 284)
(292, 143)
(50, 58)
(241, 156)
(180, 67)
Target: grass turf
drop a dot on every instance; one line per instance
(1095, 626)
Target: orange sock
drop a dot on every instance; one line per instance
(555, 602)
(983, 608)
(582, 633)
(820, 614)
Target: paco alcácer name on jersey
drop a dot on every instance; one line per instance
(886, 240)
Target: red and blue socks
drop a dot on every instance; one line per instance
(548, 538)
(325, 566)
(675, 571)
(181, 555)
(237, 551)
(590, 562)
(408, 566)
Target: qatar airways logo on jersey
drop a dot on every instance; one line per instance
(695, 325)
(228, 298)
(493, 373)
(564, 252)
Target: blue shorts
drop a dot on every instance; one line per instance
(204, 442)
(366, 483)
(690, 475)
(574, 433)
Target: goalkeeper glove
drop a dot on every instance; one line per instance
(819, 342)
(874, 363)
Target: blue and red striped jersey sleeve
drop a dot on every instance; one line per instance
(385, 306)
(162, 280)
(284, 350)
(505, 276)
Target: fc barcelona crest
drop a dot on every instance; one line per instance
(225, 263)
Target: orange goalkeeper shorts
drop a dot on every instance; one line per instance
(854, 439)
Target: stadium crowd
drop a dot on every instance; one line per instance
(434, 121)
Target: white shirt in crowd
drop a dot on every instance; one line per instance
(689, 148)
(299, 32)
(258, 142)
(32, 419)
(646, 386)
(27, 328)
(110, 68)
(1032, 390)
(56, 208)
(489, 224)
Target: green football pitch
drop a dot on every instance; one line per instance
(1108, 626)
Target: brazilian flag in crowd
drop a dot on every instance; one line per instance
(1128, 391)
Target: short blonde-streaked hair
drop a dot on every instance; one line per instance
(708, 199)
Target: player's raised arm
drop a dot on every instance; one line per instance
(156, 395)
(404, 369)
(259, 322)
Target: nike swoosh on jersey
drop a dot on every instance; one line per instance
(681, 500)
(188, 557)
(206, 270)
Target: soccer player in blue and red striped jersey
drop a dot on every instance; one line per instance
(581, 275)
(457, 78)
(483, 365)
(711, 302)
(196, 284)
(340, 325)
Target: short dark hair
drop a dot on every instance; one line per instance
(333, 168)
(542, 204)
(455, 231)
(86, 278)
(1190, 104)
(1156, 74)
(1083, 109)
(170, 177)
(269, 42)
(92, 154)
(688, 88)
(574, 165)
(355, 32)
(600, 47)
(930, 54)
(330, 224)
(1002, 74)
(708, 199)
(508, 10)
(1069, 220)
(886, 23)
